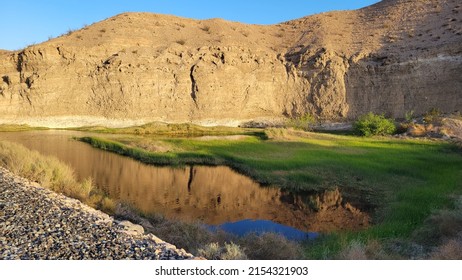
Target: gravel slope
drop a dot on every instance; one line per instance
(36, 223)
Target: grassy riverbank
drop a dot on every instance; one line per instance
(401, 182)
(51, 173)
(174, 130)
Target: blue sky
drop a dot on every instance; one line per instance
(26, 22)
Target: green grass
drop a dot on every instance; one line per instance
(402, 181)
(177, 130)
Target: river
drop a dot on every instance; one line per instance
(216, 196)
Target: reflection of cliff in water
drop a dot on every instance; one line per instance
(217, 195)
(214, 195)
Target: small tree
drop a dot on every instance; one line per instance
(372, 124)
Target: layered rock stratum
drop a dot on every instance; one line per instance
(393, 57)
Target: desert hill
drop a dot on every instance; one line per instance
(391, 57)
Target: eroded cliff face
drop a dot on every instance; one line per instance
(393, 57)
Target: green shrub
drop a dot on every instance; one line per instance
(372, 124)
(409, 116)
(304, 122)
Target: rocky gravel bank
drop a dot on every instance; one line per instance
(36, 223)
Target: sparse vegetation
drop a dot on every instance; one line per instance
(372, 124)
(229, 251)
(270, 246)
(409, 116)
(206, 29)
(213, 244)
(432, 116)
(49, 172)
(457, 115)
(304, 122)
(69, 32)
(358, 250)
(176, 130)
(450, 250)
(441, 226)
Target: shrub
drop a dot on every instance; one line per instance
(409, 116)
(356, 250)
(442, 225)
(359, 250)
(214, 251)
(210, 251)
(233, 252)
(304, 122)
(450, 250)
(372, 124)
(433, 115)
(270, 246)
(189, 236)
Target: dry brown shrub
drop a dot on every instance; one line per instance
(229, 251)
(270, 246)
(356, 250)
(450, 250)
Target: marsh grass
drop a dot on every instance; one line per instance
(401, 181)
(50, 173)
(175, 130)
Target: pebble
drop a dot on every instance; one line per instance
(36, 223)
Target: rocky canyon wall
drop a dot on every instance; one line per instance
(137, 68)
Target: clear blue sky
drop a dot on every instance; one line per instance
(26, 22)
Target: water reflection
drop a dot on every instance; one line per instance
(214, 195)
(244, 227)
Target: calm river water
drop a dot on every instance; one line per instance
(217, 196)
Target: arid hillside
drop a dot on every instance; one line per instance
(392, 57)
